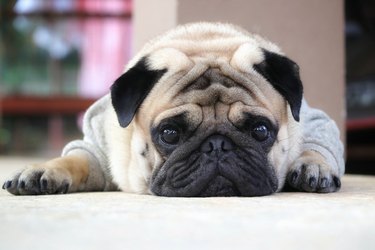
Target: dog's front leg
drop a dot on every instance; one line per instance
(71, 173)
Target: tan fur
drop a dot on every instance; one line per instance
(74, 167)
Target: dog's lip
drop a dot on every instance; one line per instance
(227, 188)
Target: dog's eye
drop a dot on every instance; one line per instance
(260, 132)
(170, 135)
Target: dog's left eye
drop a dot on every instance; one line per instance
(260, 132)
(170, 135)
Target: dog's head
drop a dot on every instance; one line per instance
(216, 110)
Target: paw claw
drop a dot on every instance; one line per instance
(66, 188)
(21, 185)
(43, 186)
(293, 177)
(312, 182)
(7, 184)
(337, 181)
(323, 183)
(63, 188)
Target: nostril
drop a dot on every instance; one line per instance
(226, 145)
(216, 143)
(207, 146)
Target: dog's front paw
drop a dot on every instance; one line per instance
(38, 179)
(311, 173)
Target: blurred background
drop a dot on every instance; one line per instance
(58, 56)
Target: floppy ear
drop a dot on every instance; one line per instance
(131, 88)
(283, 74)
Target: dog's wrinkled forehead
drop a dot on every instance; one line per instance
(205, 42)
(168, 64)
(213, 86)
(192, 55)
(240, 57)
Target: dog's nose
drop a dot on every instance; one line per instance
(216, 143)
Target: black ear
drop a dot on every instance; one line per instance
(283, 74)
(131, 88)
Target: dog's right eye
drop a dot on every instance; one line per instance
(170, 135)
(260, 132)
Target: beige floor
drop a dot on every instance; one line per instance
(343, 220)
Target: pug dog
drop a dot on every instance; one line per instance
(206, 109)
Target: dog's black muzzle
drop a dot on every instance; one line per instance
(217, 168)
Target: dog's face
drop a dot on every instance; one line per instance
(215, 111)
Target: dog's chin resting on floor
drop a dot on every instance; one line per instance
(206, 109)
